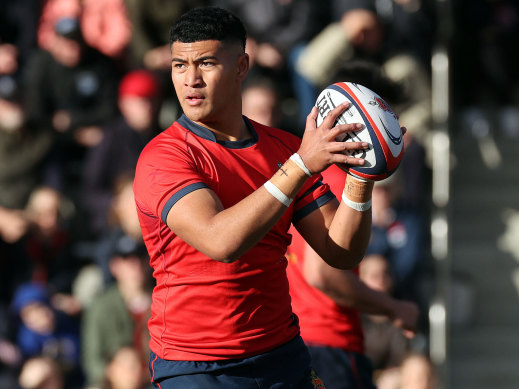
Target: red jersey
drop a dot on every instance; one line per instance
(204, 309)
(322, 321)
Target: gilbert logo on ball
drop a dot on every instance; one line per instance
(380, 128)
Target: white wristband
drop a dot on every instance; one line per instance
(296, 158)
(361, 207)
(276, 192)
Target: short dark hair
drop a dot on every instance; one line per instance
(208, 23)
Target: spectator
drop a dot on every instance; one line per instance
(119, 316)
(23, 148)
(44, 331)
(23, 151)
(125, 371)
(72, 89)
(10, 355)
(18, 21)
(415, 372)
(400, 234)
(123, 140)
(41, 373)
(105, 24)
(385, 345)
(261, 102)
(123, 222)
(44, 254)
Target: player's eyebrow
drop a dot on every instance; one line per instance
(201, 59)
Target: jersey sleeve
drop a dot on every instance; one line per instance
(164, 175)
(313, 195)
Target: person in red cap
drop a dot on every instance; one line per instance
(138, 102)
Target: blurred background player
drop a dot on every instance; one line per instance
(327, 302)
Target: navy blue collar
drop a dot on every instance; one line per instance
(206, 133)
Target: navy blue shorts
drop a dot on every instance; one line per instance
(341, 369)
(286, 367)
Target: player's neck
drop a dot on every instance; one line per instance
(231, 130)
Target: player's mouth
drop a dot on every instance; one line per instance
(194, 99)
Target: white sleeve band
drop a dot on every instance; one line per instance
(296, 158)
(274, 191)
(361, 207)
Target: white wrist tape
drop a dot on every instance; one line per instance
(361, 207)
(296, 158)
(274, 191)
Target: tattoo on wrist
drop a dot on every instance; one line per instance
(283, 171)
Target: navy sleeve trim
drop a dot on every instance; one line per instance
(309, 208)
(177, 196)
(312, 188)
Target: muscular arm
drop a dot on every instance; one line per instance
(345, 236)
(346, 289)
(226, 234)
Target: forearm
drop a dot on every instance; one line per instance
(350, 229)
(344, 287)
(347, 290)
(355, 294)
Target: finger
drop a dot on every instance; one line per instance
(331, 118)
(341, 159)
(311, 119)
(350, 146)
(404, 130)
(341, 129)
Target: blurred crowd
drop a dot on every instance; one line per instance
(84, 85)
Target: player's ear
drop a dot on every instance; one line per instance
(243, 66)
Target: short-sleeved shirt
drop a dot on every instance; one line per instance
(204, 309)
(323, 322)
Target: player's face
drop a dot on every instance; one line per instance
(207, 77)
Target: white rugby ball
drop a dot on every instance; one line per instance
(380, 128)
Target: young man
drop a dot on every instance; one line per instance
(216, 194)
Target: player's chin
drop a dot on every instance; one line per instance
(194, 113)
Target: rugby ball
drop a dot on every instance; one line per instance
(380, 128)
